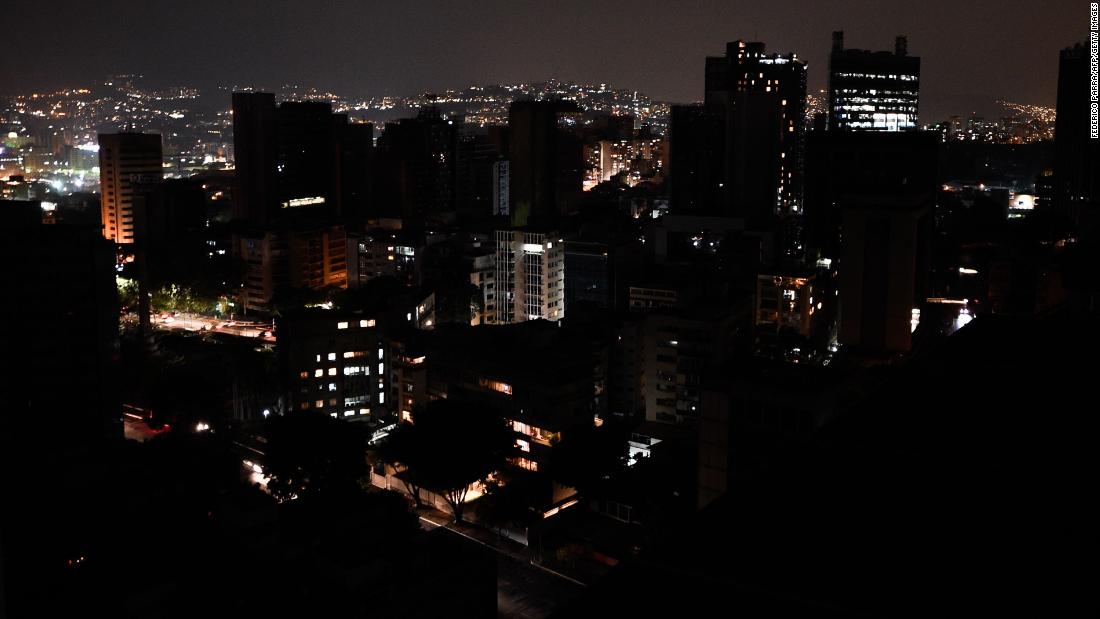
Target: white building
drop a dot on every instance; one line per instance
(530, 276)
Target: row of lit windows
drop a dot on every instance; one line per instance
(880, 76)
(362, 323)
(544, 437)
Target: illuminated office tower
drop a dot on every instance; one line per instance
(126, 161)
(873, 91)
(530, 276)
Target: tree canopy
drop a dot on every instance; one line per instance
(449, 447)
(588, 457)
(310, 453)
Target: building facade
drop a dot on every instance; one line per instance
(530, 276)
(873, 91)
(126, 161)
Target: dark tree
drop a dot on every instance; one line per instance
(401, 448)
(310, 453)
(507, 504)
(456, 302)
(587, 458)
(449, 447)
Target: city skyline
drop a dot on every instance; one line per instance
(971, 59)
(636, 309)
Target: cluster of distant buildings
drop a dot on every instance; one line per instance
(752, 221)
(1021, 124)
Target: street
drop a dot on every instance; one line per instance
(524, 590)
(193, 322)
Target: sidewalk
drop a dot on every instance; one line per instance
(431, 518)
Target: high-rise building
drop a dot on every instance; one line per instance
(761, 99)
(501, 181)
(1076, 143)
(417, 159)
(843, 163)
(307, 155)
(381, 253)
(354, 185)
(59, 369)
(483, 275)
(545, 162)
(61, 350)
(869, 202)
(275, 261)
(873, 91)
(530, 276)
(256, 153)
(334, 363)
(298, 161)
(695, 153)
(478, 151)
(126, 160)
(885, 259)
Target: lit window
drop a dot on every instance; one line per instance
(523, 445)
(319, 404)
(366, 323)
(303, 375)
(332, 386)
(524, 463)
(342, 325)
(319, 372)
(496, 385)
(364, 411)
(332, 371)
(332, 356)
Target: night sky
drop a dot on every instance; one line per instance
(973, 52)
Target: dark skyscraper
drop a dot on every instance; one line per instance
(354, 184)
(256, 153)
(869, 201)
(545, 162)
(306, 168)
(1076, 152)
(67, 339)
(297, 160)
(417, 166)
(298, 166)
(695, 155)
(841, 164)
(873, 91)
(761, 99)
